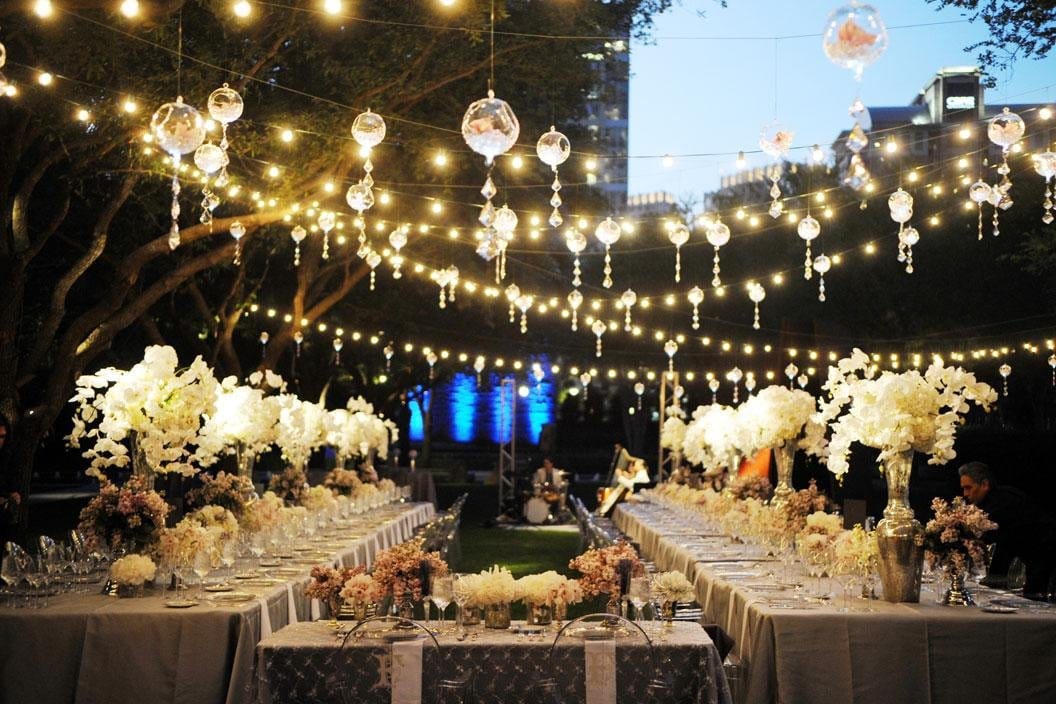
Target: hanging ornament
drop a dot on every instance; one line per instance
(584, 380)
(1004, 130)
(979, 192)
(398, 240)
(639, 389)
(513, 292)
(802, 380)
(1052, 366)
(900, 204)
(388, 351)
(677, 393)
(598, 328)
(297, 234)
(717, 235)
(298, 338)
(906, 239)
(368, 129)
(360, 197)
(855, 36)
(326, 222)
(678, 235)
(442, 277)
(608, 233)
(373, 260)
(503, 226)
(490, 129)
(808, 230)
(238, 231)
(790, 371)
(1005, 370)
(857, 175)
(671, 349)
(178, 129)
(553, 149)
(478, 367)
(734, 376)
(430, 359)
(339, 344)
(696, 297)
(1045, 165)
(225, 106)
(628, 299)
(713, 385)
(575, 300)
(756, 293)
(453, 275)
(775, 141)
(524, 302)
(576, 242)
(209, 158)
(749, 383)
(822, 266)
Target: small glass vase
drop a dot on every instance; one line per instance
(957, 594)
(334, 604)
(540, 614)
(140, 467)
(129, 591)
(667, 613)
(472, 615)
(497, 616)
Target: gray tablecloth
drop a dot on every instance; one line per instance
(903, 653)
(305, 663)
(95, 649)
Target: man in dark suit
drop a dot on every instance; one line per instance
(1023, 529)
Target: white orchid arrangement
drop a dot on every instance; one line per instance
(302, 429)
(163, 405)
(777, 416)
(133, 570)
(245, 416)
(673, 433)
(711, 436)
(673, 586)
(897, 412)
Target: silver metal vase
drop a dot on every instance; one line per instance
(900, 535)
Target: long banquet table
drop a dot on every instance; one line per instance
(93, 649)
(306, 663)
(905, 653)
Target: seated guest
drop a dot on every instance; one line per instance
(548, 474)
(1023, 529)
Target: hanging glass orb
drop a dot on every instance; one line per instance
(3, 57)
(808, 229)
(177, 128)
(553, 148)
(359, 197)
(298, 234)
(368, 129)
(822, 264)
(979, 192)
(599, 327)
(576, 241)
(373, 260)
(490, 128)
(718, 234)
(639, 388)
(608, 232)
(855, 36)
(628, 298)
(575, 299)
(901, 206)
(678, 235)
(670, 348)
(505, 221)
(1006, 129)
(238, 230)
(1045, 164)
(225, 105)
(909, 236)
(210, 158)
(756, 293)
(775, 140)
(696, 295)
(398, 238)
(326, 221)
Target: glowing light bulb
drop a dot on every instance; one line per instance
(286, 136)
(130, 8)
(43, 8)
(242, 8)
(45, 79)
(332, 7)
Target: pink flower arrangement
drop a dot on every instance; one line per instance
(289, 485)
(400, 569)
(803, 503)
(751, 487)
(342, 481)
(361, 589)
(953, 539)
(229, 491)
(129, 517)
(600, 568)
(327, 582)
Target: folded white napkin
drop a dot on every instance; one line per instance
(407, 672)
(291, 605)
(600, 671)
(315, 610)
(265, 618)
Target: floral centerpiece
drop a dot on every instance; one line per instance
(710, 438)
(245, 421)
(178, 546)
(132, 571)
(750, 486)
(404, 570)
(669, 588)
(153, 406)
(493, 590)
(953, 541)
(608, 571)
(358, 591)
(262, 514)
(342, 481)
(326, 584)
(898, 414)
(318, 498)
(229, 491)
(127, 518)
(539, 593)
(801, 504)
(289, 484)
(301, 429)
(819, 532)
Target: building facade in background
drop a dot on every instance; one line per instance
(606, 123)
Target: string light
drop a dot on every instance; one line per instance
(130, 8)
(242, 8)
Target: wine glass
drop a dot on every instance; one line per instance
(441, 594)
(11, 574)
(461, 596)
(640, 594)
(201, 567)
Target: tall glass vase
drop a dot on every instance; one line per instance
(140, 467)
(900, 535)
(245, 460)
(784, 458)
